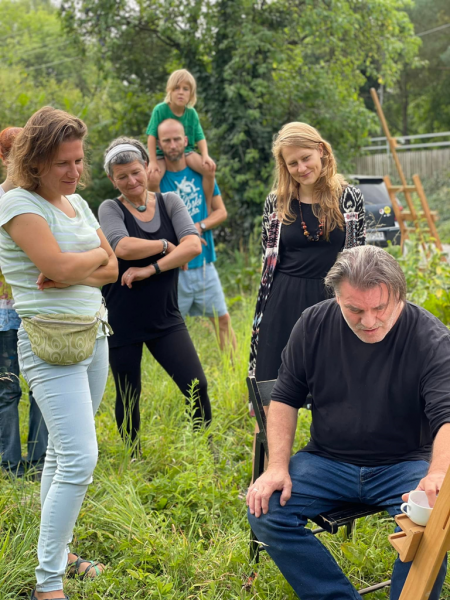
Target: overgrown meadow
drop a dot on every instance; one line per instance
(173, 524)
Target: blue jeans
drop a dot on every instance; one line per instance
(10, 395)
(68, 397)
(319, 485)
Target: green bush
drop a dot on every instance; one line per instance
(427, 279)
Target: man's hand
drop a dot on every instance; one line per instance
(202, 239)
(431, 485)
(136, 274)
(440, 463)
(201, 232)
(259, 493)
(44, 284)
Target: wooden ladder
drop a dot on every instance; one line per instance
(412, 215)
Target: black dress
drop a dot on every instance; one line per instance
(297, 285)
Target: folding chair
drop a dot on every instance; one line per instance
(260, 393)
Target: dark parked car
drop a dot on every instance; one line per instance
(381, 225)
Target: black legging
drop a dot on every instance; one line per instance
(176, 354)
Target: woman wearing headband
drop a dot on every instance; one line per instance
(55, 257)
(152, 235)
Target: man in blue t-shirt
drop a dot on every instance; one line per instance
(199, 289)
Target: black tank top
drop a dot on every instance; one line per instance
(150, 308)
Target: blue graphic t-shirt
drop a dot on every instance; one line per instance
(188, 185)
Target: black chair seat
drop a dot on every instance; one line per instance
(331, 521)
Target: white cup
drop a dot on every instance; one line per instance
(417, 507)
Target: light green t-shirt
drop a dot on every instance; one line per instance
(189, 119)
(77, 234)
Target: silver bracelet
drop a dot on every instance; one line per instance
(165, 244)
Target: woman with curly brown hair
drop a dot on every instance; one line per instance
(56, 258)
(309, 217)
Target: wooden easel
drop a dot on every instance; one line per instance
(418, 218)
(424, 546)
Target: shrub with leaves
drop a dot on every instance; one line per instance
(427, 279)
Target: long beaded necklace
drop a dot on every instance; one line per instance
(319, 233)
(141, 208)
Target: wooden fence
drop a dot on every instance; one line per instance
(422, 162)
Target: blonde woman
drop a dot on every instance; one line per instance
(179, 105)
(56, 258)
(309, 217)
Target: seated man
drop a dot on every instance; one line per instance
(377, 368)
(199, 288)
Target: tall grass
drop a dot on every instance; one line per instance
(173, 525)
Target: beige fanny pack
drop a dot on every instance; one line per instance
(65, 339)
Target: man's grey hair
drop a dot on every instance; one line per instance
(367, 267)
(127, 156)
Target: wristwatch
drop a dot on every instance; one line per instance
(203, 226)
(165, 244)
(157, 269)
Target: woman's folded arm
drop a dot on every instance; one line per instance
(107, 273)
(188, 248)
(33, 235)
(131, 248)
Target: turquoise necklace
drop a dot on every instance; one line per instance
(141, 208)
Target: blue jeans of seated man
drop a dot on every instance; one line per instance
(10, 394)
(68, 397)
(319, 485)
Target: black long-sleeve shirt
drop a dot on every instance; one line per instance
(373, 404)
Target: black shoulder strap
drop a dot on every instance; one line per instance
(120, 204)
(162, 205)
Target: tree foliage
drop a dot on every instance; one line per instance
(258, 65)
(418, 102)
(43, 65)
(36, 61)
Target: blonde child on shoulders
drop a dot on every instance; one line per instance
(179, 104)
